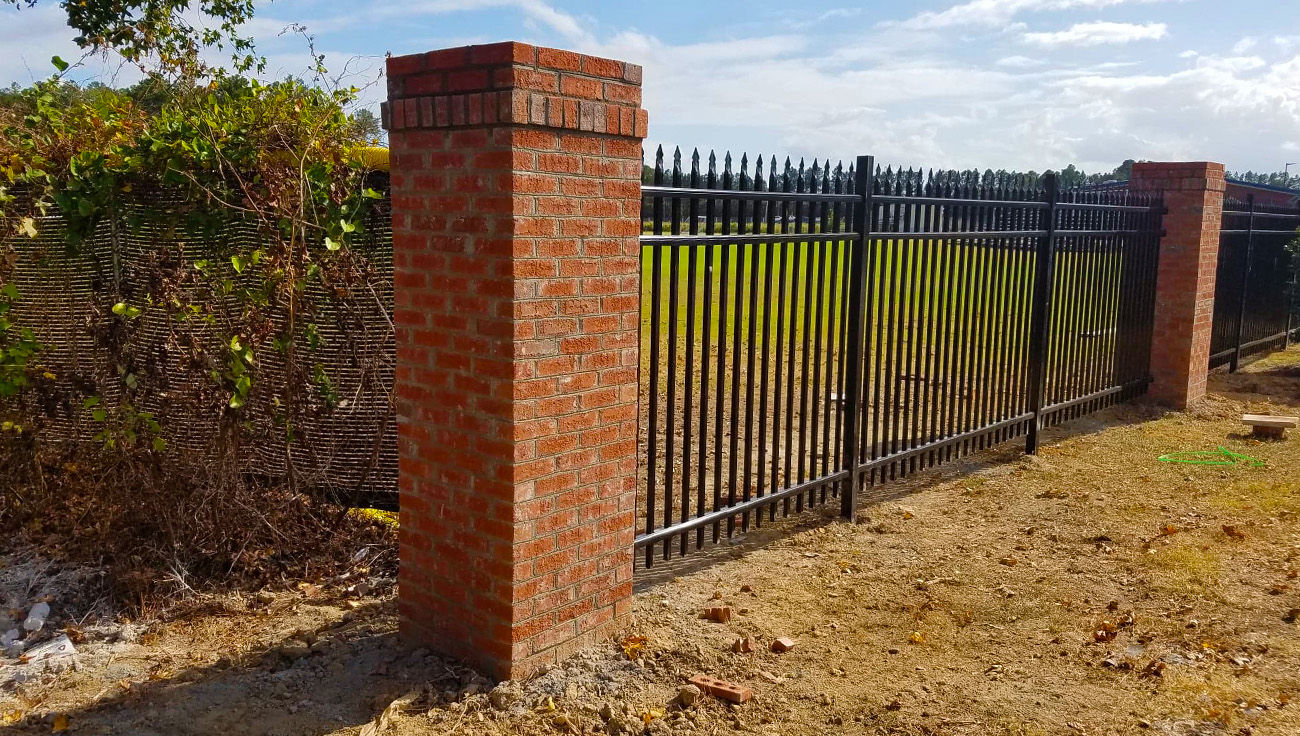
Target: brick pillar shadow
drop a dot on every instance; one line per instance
(516, 215)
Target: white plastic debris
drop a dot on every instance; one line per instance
(53, 651)
(36, 617)
(11, 643)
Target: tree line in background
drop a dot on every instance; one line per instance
(1275, 179)
(1071, 176)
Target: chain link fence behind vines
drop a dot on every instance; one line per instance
(345, 449)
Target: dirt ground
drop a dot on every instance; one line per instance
(1091, 590)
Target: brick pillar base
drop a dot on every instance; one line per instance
(516, 215)
(1189, 257)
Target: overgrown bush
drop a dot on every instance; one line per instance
(220, 154)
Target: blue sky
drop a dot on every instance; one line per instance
(937, 83)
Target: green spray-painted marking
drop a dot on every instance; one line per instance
(1221, 456)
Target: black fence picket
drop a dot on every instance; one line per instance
(1254, 305)
(848, 327)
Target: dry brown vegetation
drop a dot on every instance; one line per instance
(164, 532)
(1092, 590)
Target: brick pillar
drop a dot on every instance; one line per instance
(1189, 258)
(516, 211)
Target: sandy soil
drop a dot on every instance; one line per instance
(1091, 590)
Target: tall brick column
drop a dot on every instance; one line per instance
(1189, 257)
(516, 212)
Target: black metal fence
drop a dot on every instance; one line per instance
(814, 332)
(1254, 300)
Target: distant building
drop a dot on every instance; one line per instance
(1264, 193)
(1237, 189)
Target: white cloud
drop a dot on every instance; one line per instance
(1099, 33)
(993, 13)
(1018, 62)
(1245, 45)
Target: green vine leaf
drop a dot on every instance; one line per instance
(122, 309)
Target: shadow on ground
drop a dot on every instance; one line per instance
(349, 673)
(771, 530)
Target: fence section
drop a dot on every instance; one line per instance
(817, 332)
(1254, 296)
(743, 336)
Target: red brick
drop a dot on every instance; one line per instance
(423, 84)
(503, 53)
(560, 60)
(398, 66)
(602, 67)
(581, 87)
(447, 58)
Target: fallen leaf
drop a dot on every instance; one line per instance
(389, 714)
(1233, 532)
(60, 724)
(633, 645)
(917, 638)
(1155, 669)
(1105, 631)
(10, 716)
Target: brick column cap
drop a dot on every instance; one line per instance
(513, 83)
(1184, 175)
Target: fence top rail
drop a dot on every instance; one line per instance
(1264, 215)
(766, 179)
(751, 238)
(1246, 206)
(1256, 231)
(957, 201)
(1000, 188)
(1010, 203)
(747, 194)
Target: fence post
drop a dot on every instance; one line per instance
(1040, 320)
(516, 216)
(862, 220)
(1185, 275)
(1245, 285)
